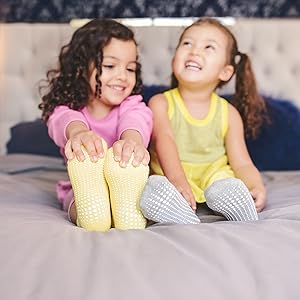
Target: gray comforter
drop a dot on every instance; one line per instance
(43, 256)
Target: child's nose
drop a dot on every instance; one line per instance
(122, 74)
(196, 50)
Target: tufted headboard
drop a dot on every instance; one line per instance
(28, 50)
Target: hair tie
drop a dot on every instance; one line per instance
(238, 57)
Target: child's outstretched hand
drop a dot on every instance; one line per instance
(123, 150)
(259, 197)
(91, 141)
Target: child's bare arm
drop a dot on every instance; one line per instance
(166, 148)
(240, 159)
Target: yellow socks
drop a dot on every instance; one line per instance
(90, 193)
(126, 186)
(94, 202)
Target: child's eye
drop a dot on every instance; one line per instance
(186, 43)
(132, 70)
(209, 47)
(108, 66)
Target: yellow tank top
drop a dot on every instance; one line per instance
(200, 142)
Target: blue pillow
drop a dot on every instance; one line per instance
(32, 138)
(150, 90)
(278, 145)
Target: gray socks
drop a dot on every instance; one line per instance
(231, 198)
(162, 203)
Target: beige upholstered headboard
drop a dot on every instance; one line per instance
(28, 50)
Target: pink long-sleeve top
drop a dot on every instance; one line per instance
(132, 113)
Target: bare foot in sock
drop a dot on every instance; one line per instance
(90, 193)
(162, 203)
(231, 198)
(126, 186)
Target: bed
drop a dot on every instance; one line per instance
(44, 256)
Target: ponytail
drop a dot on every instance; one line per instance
(246, 99)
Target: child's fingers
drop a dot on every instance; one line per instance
(253, 194)
(259, 204)
(78, 152)
(193, 203)
(189, 197)
(139, 155)
(117, 150)
(91, 151)
(259, 199)
(68, 151)
(146, 158)
(93, 146)
(75, 147)
(99, 148)
(127, 151)
(123, 152)
(88, 140)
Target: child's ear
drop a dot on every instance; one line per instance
(172, 62)
(226, 73)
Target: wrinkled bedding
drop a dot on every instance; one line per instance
(44, 256)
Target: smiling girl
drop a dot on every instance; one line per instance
(95, 115)
(198, 137)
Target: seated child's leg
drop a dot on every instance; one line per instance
(69, 206)
(72, 214)
(162, 203)
(90, 193)
(126, 186)
(231, 198)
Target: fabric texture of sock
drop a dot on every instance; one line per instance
(90, 193)
(231, 198)
(162, 203)
(126, 186)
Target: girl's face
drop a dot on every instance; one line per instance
(201, 56)
(118, 76)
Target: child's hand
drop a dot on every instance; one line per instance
(185, 190)
(123, 150)
(91, 141)
(259, 197)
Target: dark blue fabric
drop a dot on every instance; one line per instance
(58, 11)
(32, 138)
(278, 145)
(149, 91)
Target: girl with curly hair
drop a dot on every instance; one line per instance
(198, 137)
(96, 116)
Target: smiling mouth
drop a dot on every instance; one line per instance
(118, 88)
(192, 65)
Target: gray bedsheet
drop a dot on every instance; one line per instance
(43, 256)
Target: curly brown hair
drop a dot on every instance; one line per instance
(68, 84)
(246, 98)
